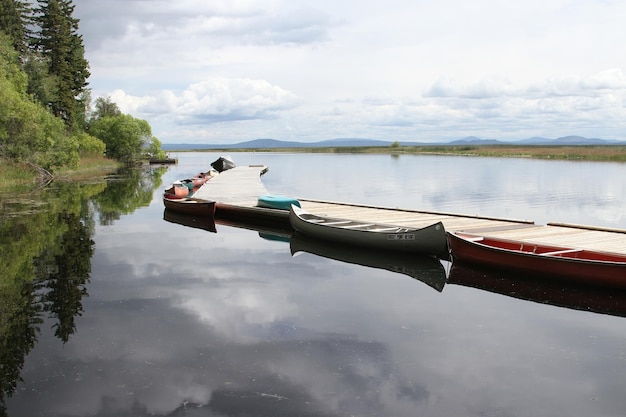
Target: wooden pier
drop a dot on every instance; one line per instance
(236, 192)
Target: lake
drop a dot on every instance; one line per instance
(109, 310)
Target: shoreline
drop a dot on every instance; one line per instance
(15, 174)
(597, 153)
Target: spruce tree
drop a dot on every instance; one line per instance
(58, 40)
(15, 16)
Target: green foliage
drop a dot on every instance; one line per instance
(395, 144)
(44, 102)
(89, 145)
(14, 20)
(9, 65)
(125, 137)
(42, 85)
(82, 110)
(59, 42)
(27, 131)
(154, 149)
(105, 107)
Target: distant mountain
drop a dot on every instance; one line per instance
(473, 140)
(346, 142)
(265, 143)
(349, 142)
(536, 140)
(579, 140)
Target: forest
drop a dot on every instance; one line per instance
(47, 118)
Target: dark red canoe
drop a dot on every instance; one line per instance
(192, 206)
(583, 266)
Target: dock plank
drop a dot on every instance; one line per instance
(240, 187)
(613, 240)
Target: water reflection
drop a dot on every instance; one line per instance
(203, 222)
(538, 288)
(183, 321)
(129, 190)
(427, 269)
(46, 238)
(541, 289)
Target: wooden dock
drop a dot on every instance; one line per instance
(236, 192)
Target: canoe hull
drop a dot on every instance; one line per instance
(192, 206)
(430, 240)
(585, 267)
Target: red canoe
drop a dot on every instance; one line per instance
(192, 206)
(583, 266)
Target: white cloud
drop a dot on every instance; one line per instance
(403, 71)
(211, 101)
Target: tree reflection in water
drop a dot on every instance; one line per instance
(46, 242)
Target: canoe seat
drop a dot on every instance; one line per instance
(560, 252)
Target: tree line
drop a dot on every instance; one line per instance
(46, 114)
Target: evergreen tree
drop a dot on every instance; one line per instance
(58, 40)
(14, 20)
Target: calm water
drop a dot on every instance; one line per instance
(168, 320)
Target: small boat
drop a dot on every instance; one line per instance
(178, 189)
(163, 161)
(187, 187)
(223, 163)
(277, 202)
(200, 179)
(424, 268)
(430, 240)
(582, 266)
(188, 205)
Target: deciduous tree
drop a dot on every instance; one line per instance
(28, 132)
(125, 137)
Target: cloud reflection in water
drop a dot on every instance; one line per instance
(231, 324)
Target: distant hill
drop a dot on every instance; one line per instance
(473, 140)
(363, 142)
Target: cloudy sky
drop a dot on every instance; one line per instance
(207, 71)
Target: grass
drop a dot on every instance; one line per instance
(88, 167)
(16, 176)
(583, 153)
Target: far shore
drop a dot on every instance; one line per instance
(607, 153)
(18, 175)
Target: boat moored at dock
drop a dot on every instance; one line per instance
(579, 265)
(430, 240)
(191, 206)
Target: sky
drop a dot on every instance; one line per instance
(222, 72)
